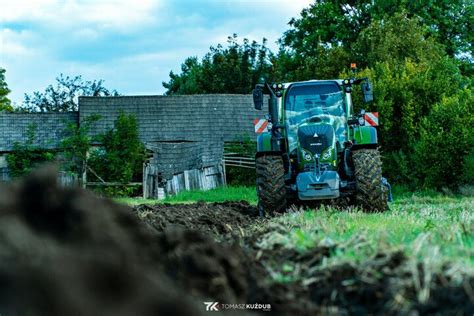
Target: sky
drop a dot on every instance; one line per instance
(131, 45)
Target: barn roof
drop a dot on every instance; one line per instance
(50, 128)
(213, 117)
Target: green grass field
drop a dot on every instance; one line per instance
(220, 194)
(430, 227)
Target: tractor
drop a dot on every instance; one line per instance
(315, 148)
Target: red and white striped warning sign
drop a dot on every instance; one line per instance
(371, 118)
(260, 125)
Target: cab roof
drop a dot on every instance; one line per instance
(287, 84)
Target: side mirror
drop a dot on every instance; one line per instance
(368, 91)
(258, 98)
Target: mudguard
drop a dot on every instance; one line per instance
(264, 142)
(364, 135)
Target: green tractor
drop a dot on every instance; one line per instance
(315, 148)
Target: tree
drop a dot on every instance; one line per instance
(234, 69)
(381, 42)
(5, 103)
(122, 155)
(77, 144)
(64, 96)
(336, 23)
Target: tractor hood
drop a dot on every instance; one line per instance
(315, 138)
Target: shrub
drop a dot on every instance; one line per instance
(121, 157)
(443, 153)
(398, 167)
(468, 168)
(77, 144)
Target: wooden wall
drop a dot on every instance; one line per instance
(178, 166)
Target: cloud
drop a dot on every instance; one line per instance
(14, 43)
(132, 45)
(122, 15)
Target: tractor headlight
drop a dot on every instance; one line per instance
(327, 154)
(361, 120)
(307, 156)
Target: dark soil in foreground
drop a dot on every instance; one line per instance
(65, 251)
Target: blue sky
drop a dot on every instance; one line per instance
(132, 45)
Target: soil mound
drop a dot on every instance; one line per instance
(223, 221)
(66, 251)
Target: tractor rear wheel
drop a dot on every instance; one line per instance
(371, 194)
(271, 188)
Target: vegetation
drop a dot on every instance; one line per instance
(448, 129)
(421, 79)
(122, 154)
(433, 231)
(237, 176)
(425, 224)
(76, 146)
(27, 156)
(64, 95)
(5, 103)
(235, 69)
(220, 194)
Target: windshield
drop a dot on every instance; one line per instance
(315, 102)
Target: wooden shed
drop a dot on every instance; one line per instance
(182, 165)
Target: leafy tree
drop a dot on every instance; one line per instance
(339, 23)
(64, 95)
(234, 69)
(381, 42)
(5, 103)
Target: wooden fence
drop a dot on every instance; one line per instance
(239, 154)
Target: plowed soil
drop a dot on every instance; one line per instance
(66, 251)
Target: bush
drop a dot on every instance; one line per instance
(237, 176)
(121, 157)
(27, 156)
(468, 168)
(398, 167)
(443, 153)
(77, 144)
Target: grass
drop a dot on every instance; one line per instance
(221, 194)
(437, 227)
(424, 225)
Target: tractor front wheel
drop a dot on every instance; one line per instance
(371, 194)
(271, 188)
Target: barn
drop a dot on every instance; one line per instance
(185, 135)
